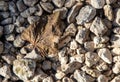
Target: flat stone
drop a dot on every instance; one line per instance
(73, 12)
(58, 3)
(21, 6)
(106, 55)
(98, 4)
(69, 3)
(86, 14)
(30, 3)
(9, 29)
(7, 21)
(98, 27)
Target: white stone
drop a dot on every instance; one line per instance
(116, 51)
(66, 79)
(73, 45)
(48, 79)
(116, 79)
(98, 4)
(102, 78)
(116, 68)
(59, 75)
(69, 3)
(117, 17)
(58, 3)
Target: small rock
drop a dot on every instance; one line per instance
(116, 68)
(5, 14)
(48, 7)
(91, 59)
(116, 51)
(73, 45)
(66, 79)
(1, 47)
(24, 68)
(98, 27)
(48, 79)
(39, 10)
(7, 21)
(115, 40)
(1, 31)
(59, 75)
(12, 7)
(89, 46)
(108, 12)
(116, 30)
(102, 78)
(23, 50)
(33, 19)
(30, 3)
(69, 3)
(110, 1)
(5, 71)
(21, 6)
(98, 4)
(20, 29)
(105, 54)
(86, 14)
(18, 42)
(117, 17)
(46, 65)
(73, 12)
(116, 79)
(9, 29)
(58, 3)
(102, 66)
(19, 21)
(80, 76)
(100, 40)
(63, 60)
(3, 5)
(116, 59)
(10, 37)
(82, 35)
(107, 23)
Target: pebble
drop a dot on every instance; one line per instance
(102, 78)
(98, 27)
(39, 10)
(91, 58)
(8, 29)
(21, 6)
(10, 37)
(20, 29)
(115, 40)
(102, 66)
(100, 40)
(12, 7)
(107, 23)
(110, 1)
(24, 68)
(63, 60)
(18, 42)
(116, 79)
(117, 17)
(73, 45)
(5, 14)
(116, 68)
(58, 3)
(46, 65)
(116, 30)
(86, 14)
(89, 46)
(73, 12)
(48, 7)
(66, 79)
(115, 51)
(59, 75)
(81, 76)
(116, 59)
(3, 5)
(98, 4)
(1, 47)
(82, 35)
(7, 21)
(106, 55)
(48, 79)
(33, 19)
(69, 3)
(1, 31)
(30, 3)
(108, 12)
(19, 21)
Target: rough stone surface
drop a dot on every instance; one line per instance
(58, 3)
(73, 45)
(3, 5)
(86, 14)
(59, 75)
(48, 79)
(33, 19)
(1, 47)
(30, 3)
(7, 21)
(116, 68)
(8, 29)
(98, 4)
(20, 5)
(116, 79)
(89, 46)
(117, 17)
(12, 7)
(10, 37)
(69, 3)
(46, 65)
(102, 78)
(115, 40)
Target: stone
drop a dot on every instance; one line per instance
(100, 40)
(58, 3)
(98, 27)
(81, 76)
(46, 65)
(39, 11)
(116, 68)
(5, 14)
(10, 37)
(21, 6)
(48, 7)
(48, 79)
(59, 75)
(1, 47)
(30, 3)
(82, 35)
(102, 66)
(63, 60)
(12, 7)
(66, 79)
(102, 78)
(24, 68)
(89, 46)
(73, 12)
(117, 17)
(3, 5)
(8, 58)
(19, 21)
(71, 29)
(8, 29)
(106, 55)
(91, 59)
(33, 19)
(1, 31)
(116, 59)
(115, 51)
(20, 29)
(73, 45)
(108, 12)
(33, 55)
(107, 23)
(115, 40)
(110, 1)
(98, 4)
(116, 79)
(7, 21)
(86, 14)
(18, 42)
(69, 3)
(116, 30)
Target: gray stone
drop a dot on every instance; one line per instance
(69, 3)
(9, 29)
(20, 29)
(21, 6)
(1, 31)
(73, 12)
(89, 46)
(86, 14)
(46, 65)
(39, 10)
(30, 2)
(19, 21)
(1, 47)
(10, 37)
(98, 4)
(12, 7)
(110, 1)
(98, 27)
(3, 5)
(58, 3)
(7, 21)
(115, 40)
(33, 19)
(48, 7)
(5, 14)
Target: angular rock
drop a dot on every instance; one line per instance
(10, 37)
(33, 19)
(73, 45)
(9, 29)
(98, 27)
(59, 75)
(115, 51)
(19, 21)
(24, 68)
(102, 78)
(102, 66)
(48, 79)
(3, 5)
(98, 4)
(7, 21)
(115, 40)
(12, 7)
(21, 6)
(30, 3)
(46, 65)
(20, 29)
(116, 68)
(58, 3)
(116, 59)
(86, 14)
(39, 10)
(69, 3)
(106, 55)
(117, 17)
(116, 79)
(73, 12)
(89, 46)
